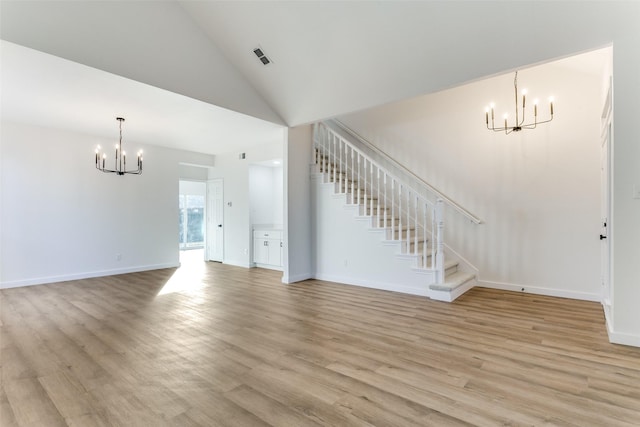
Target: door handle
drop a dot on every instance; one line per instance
(220, 225)
(602, 237)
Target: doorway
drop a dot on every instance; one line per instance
(191, 222)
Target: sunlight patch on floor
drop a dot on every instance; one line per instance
(189, 277)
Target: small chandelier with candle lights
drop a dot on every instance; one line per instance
(519, 121)
(120, 166)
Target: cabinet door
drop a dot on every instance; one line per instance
(274, 252)
(260, 251)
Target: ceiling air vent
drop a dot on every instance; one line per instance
(261, 56)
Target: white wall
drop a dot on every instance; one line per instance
(537, 191)
(193, 173)
(265, 194)
(625, 223)
(61, 219)
(277, 206)
(192, 188)
(346, 249)
(298, 251)
(237, 205)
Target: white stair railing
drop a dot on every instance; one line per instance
(408, 216)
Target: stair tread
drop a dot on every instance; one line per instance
(452, 281)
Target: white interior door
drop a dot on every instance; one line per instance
(605, 203)
(215, 224)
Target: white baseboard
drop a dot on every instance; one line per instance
(373, 284)
(620, 337)
(287, 279)
(237, 263)
(562, 293)
(268, 266)
(84, 275)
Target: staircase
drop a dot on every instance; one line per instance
(400, 229)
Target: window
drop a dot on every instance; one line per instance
(191, 223)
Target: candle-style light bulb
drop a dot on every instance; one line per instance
(551, 105)
(524, 95)
(486, 115)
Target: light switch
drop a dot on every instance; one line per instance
(636, 191)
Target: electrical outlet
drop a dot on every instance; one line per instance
(245, 251)
(118, 257)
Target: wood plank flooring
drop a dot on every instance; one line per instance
(215, 345)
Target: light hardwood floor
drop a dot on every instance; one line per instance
(210, 344)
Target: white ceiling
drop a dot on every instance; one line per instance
(46, 90)
(181, 71)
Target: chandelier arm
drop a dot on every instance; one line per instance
(523, 115)
(519, 120)
(515, 86)
(528, 126)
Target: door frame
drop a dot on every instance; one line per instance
(215, 225)
(606, 139)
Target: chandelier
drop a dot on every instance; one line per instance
(519, 121)
(120, 166)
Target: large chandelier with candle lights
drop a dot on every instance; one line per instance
(519, 121)
(120, 165)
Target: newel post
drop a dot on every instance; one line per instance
(439, 241)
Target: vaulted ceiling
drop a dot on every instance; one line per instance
(328, 58)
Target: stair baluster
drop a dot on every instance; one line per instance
(415, 217)
(385, 200)
(400, 212)
(364, 189)
(371, 207)
(378, 184)
(340, 172)
(424, 243)
(353, 178)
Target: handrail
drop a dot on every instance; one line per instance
(390, 159)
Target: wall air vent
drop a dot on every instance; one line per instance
(261, 56)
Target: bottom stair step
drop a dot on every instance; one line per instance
(453, 281)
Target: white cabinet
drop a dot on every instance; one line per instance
(267, 248)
